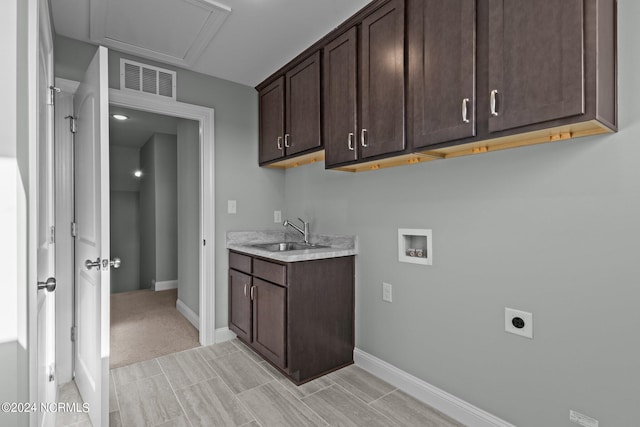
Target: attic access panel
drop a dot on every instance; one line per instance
(171, 31)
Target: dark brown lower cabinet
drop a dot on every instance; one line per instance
(270, 321)
(299, 316)
(240, 304)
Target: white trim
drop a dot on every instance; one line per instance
(165, 285)
(446, 403)
(67, 86)
(207, 190)
(192, 317)
(224, 334)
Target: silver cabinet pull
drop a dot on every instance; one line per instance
(92, 264)
(465, 112)
(363, 138)
(115, 263)
(245, 289)
(279, 143)
(286, 140)
(252, 288)
(350, 141)
(494, 110)
(49, 285)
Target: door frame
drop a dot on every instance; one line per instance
(205, 117)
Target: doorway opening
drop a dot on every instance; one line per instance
(155, 209)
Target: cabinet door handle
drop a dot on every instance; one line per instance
(350, 141)
(286, 140)
(252, 289)
(363, 138)
(465, 112)
(279, 143)
(494, 109)
(245, 289)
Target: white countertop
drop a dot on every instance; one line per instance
(339, 245)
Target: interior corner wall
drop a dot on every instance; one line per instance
(147, 216)
(158, 200)
(166, 207)
(189, 214)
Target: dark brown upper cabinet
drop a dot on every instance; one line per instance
(303, 107)
(271, 100)
(341, 99)
(290, 112)
(382, 99)
(536, 63)
(442, 70)
(365, 123)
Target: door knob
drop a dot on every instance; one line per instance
(115, 262)
(49, 285)
(91, 264)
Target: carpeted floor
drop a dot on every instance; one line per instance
(145, 324)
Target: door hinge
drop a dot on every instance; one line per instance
(73, 334)
(72, 123)
(74, 230)
(52, 94)
(52, 236)
(204, 242)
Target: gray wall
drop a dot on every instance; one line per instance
(158, 210)
(551, 229)
(236, 149)
(125, 240)
(125, 217)
(166, 207)
(188, 214)
(148, 212)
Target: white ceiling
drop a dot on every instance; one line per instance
(256, 38)
(136, 131)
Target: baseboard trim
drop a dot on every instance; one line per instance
(165, 285)
(192, 317)
(223, 334)
(446, 403)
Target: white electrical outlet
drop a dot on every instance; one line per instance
(277, 216)
(583, 420)
(387, 292)
(518, 322)
(231, 206)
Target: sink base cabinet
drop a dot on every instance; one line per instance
(299, 316)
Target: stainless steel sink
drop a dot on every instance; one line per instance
(288, 246)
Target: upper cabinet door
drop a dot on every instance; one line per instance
(442, 96)
(536, 66)
(271, 100)
(382, 79)
(341, 99)
(303, 106)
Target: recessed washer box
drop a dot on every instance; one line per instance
(415, 246)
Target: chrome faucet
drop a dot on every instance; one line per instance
(304, 231)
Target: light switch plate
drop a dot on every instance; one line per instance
(231, 206)
(522, 327)
(387, 292)
(277, 216)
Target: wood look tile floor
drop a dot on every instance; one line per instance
(228, 385)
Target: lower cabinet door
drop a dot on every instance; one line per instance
(240, 304)
(270, 321)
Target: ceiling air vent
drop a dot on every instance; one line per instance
(147, 79)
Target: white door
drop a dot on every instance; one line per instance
(91, 146)
(45, 312)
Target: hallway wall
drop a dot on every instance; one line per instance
(125, 217)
